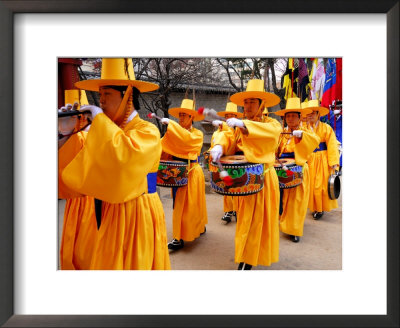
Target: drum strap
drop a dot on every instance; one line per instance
(267, 169)
(196, 161)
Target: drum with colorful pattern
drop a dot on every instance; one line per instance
(172, 173)
(247, 178)
(291, 178)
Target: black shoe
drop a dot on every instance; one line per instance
(175, 244)
(235, 215)
(318, 215)
(295, 239)
(247, 266)
(227, 217)
(240, 267)
(202, 233)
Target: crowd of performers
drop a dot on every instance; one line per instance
(114, 218)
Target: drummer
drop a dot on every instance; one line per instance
(298, 145)
(323, 162)
(117, 165)
(257, 229)
(230, 202)
(78, 233)
(183, 142)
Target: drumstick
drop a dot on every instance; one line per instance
(152, 115)
(286, 133)
(210, 114)
(224, 175)
(284, 167)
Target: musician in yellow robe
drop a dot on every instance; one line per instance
(298, 145)
(117, 165)
(257, 228)
(79, 223)
(230, 202)
(184, 142)
(323, 162)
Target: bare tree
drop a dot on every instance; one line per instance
(239, 70)
(169, 74)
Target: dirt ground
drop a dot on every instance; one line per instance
(320, 248)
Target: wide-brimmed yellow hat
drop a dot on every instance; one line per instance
(188, 107)
(231, 108)
(116, 71)
(293, 105)
(255, 89)
(76, 96)
(315, 107)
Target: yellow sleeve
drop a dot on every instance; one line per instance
(182, 143)
(227, 138)
(65, 155)
(221, 129)
(114, 163)
(332, 146)
(260, 144)
(305, 146)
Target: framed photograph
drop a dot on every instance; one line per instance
(34, 34)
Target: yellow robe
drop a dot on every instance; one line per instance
(79, 225)
(257, 229)
(190, 211)
(295, 200)
(230, 202)
(320, 163)
(113, 166)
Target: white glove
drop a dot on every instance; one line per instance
(94, 109)
(217, 123)
(297, 133)
(165, 121)
(216, 152)
(285, 167)
(232, 122)
(336, 111)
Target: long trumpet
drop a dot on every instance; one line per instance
(73, 113)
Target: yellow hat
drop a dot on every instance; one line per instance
(76, 96)
(116, 71)
(255, 89)
(315, 107)
(293, 105)
(187, 107)
(231, 108)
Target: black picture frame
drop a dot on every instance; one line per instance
(7, 11)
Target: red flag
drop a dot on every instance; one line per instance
(338, 78)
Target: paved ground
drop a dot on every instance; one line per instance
(319, 249)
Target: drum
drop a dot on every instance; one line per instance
(290, 180)
(248, 178)
(172, 173)
(334, 186)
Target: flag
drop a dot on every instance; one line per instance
(317, 78)
(338, 79)
(303, 79)
(330, 84)
(290, 78)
